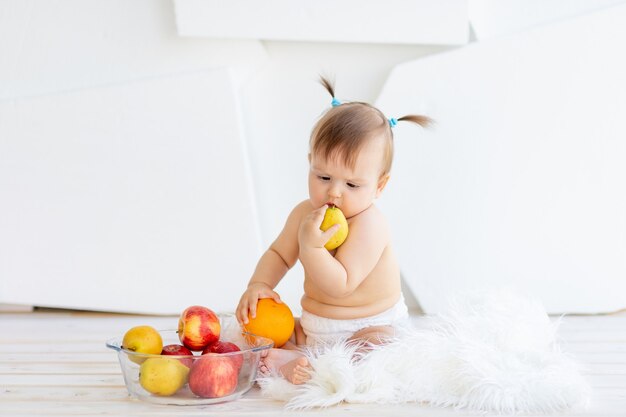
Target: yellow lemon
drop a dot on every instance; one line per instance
(334, 216)
(162, 376)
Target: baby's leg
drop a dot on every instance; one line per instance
(299, 332)
(295, 367)
(297, 371)
(374, 335)
(298, 337)
(287, 360)
(290, 364)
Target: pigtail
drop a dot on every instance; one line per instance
(423, 121)
(328, 85)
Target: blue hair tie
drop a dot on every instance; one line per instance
(393, 122)
(335, 102)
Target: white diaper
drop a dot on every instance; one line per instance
(321, 330)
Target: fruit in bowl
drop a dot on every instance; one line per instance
(225, 347)
(179, 350)
(162, 375)
(213, 376)
(164, 379)
(142, 339)
(198, 327)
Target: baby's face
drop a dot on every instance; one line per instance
(352, 190)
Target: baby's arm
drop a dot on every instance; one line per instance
(340, 275)
(272, 267)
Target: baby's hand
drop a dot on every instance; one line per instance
(250, 298)
(310, 235)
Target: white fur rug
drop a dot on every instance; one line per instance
(492, 352)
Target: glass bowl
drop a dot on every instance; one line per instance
(217, 377)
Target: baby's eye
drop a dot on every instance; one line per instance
(352, 185)
(323, 178)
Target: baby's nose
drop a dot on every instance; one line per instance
(334, 192)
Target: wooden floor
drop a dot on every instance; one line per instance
(56, 364)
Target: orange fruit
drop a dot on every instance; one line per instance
(273, 320)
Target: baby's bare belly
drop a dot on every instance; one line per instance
(354, 306)
(376, 293)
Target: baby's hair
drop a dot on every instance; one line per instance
(346, 127)
(328, 85)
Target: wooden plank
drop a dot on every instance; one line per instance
(39, 400)
(84, 357)
(118, 403)
(588, 336)
(604, 369)
(594, 347)
(65, 379)
(131, 408)
(589, 322)
(238, 408)
(55, 367)
(599, 357)
(52, 348)
(606, 381)
(69, 381)
(48, 393)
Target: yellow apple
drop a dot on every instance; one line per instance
(334, 216)
(162, 375)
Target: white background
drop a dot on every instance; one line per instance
(63, 66)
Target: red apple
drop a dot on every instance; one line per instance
(198, 327)
(225, 347)
(178, 350)
(213, 376)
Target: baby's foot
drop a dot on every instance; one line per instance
(262, 368)
(273, 359)
(297, 371)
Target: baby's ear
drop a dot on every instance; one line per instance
(309, 157)
(382, 182)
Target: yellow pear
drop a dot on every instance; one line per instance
(332, 217)
(162, 376)
(142, 339)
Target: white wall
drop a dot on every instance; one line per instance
(86, 50)
(48, 47)
(134, 203)
(521, 183)
(443, 22)
(65, 65)
(122, 160)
